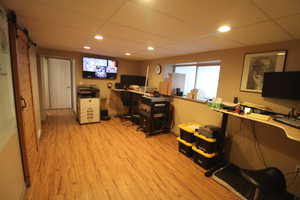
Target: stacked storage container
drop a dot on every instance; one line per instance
(208, 146)
(203, 144)
(187, 138)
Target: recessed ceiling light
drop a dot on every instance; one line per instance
(150, 48)
(127, 54)
(87, 47)
(224, 29)
(98, 37)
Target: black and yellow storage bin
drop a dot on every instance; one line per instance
(210, 139)
(187, 131)
(206, 144)
(185, 147)
(204, 160)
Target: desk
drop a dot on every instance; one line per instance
(132, 91)
(291, 132)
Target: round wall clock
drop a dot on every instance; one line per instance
(158, 69)
(109, 85)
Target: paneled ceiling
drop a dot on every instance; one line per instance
(173, 27)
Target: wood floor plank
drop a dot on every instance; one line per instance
(112, 161)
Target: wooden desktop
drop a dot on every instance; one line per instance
(291, 132)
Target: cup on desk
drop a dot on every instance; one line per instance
(247, 110)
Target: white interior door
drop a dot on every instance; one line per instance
(59, 83)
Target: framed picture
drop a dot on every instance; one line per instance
(256, 64)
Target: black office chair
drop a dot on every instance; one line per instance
(264, 184)
(126, 98)
(269, 183)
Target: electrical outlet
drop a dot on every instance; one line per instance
(297, 169)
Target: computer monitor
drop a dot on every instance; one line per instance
(127, 80)
(283, 85)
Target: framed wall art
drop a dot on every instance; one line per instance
(256, 64)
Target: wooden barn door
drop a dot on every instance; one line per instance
(26, 100)
(23, 97)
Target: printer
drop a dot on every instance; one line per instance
(88, 104)
(88, 92)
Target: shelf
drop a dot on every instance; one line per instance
(133, 91)
(291, 132)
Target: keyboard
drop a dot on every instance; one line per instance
(289, 121)
(259, 116)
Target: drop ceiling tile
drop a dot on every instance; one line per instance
(130, 34)
(157, 53)
(97, 9)
(215, 42)
(208, 15)
(118, 45)
(202, 45)
(30, 12)
(64, 20)
(279, 8)
(291, 24)
(152, 22)
(60, 37)
(261, 33)
(100, 9)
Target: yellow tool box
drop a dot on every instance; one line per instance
(205, 160)
(187, 131)
(208, 145)
(185, 147)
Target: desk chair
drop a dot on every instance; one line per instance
(269, 183)
(264, 184)
(126, 99)
(130, 100)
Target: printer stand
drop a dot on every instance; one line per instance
(155, 118)
(88, 105)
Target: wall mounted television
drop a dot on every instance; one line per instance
(283, 85)
(99, 68)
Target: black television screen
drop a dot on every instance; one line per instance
(133, 80)
(283, 85)
(99, 68)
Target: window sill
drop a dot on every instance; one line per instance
(193, 100)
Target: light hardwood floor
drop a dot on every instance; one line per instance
(111, 160)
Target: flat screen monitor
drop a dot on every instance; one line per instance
(99, 68)
(133, 80)
(284, 85)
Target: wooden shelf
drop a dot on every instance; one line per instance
(133, 91)
(291, 132)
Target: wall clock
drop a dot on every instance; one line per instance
(109, 85)
(158, 69)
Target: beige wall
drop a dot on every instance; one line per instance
(109, 98)
(278, 150)
(12, 186)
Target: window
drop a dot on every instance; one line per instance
(190, 77)
(202, 76)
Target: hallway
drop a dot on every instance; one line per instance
(111, 160)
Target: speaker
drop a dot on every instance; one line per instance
(104, 115)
